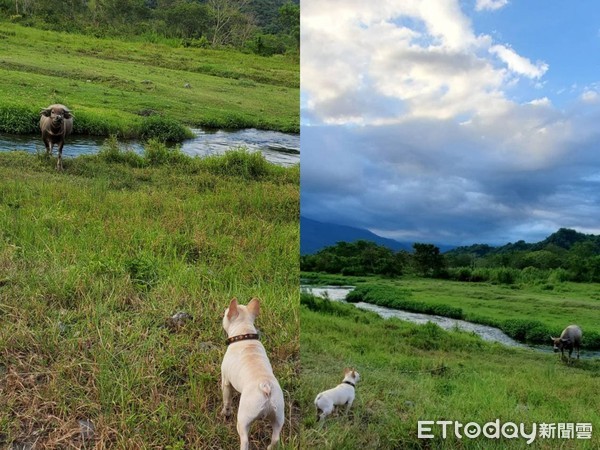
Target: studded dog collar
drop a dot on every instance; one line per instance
(241, 337)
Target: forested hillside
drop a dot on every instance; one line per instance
(264, 27)
(566, 255)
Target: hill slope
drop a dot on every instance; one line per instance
(315, 235)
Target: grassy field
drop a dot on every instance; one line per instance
(420, 372)
(527, 312)
(113, 86)
(93, 263)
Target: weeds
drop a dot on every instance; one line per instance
(92, 263)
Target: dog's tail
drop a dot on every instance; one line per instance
(317, 399)
(272, 403)
(265, 387)
(319, 410)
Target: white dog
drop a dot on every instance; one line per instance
(342, 394)
(246, 368)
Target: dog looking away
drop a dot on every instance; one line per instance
(342, 394)
(246, 368)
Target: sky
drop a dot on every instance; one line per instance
(454, 122)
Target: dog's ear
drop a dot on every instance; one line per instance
(233, 312)
(347, 370)
(254, 306)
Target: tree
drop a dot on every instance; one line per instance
(428, 260)
(230, 25)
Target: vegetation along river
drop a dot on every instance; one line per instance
(278, 148)
(487, 333)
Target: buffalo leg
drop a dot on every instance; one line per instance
(59, 161)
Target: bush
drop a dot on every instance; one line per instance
(111, 152)
(558, 276)
(525, 330)
(591, 339)
(19, 119)
(505, 275)
(157, 153)
(164, 129)
(240, 163)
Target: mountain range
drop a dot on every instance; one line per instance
(315, 235)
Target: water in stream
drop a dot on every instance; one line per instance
(278, 148)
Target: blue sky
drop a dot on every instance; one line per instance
(451, 121)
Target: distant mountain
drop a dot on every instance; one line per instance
(564, 238)
(316, 235)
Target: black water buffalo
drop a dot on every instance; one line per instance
(56, 123)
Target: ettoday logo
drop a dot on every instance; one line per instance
(508, 430)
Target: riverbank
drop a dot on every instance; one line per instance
(95, 260)
(141, 89)
(527, 313)
(420, 372)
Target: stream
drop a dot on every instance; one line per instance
(487, 333)
(278, 148)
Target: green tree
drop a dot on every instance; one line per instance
(428, 261)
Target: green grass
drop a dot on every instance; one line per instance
(526, 312)
(94, 260)
(421, 372)
(114, 86)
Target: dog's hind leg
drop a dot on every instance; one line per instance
(243, 429)
(277, 425)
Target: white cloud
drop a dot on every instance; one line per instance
(393, 61)
(491, 5)
(544, 101)
(518, 63)
(590, 96)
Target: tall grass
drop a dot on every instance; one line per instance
(93, 263)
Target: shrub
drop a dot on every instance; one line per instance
(19, 119)
(591, 339)
(505, 275)
(241, 163)
(164, 129)
(157, 153)
(111, 152)
(525, 330)
(558, 276)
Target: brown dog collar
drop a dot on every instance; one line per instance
(350, 383)
(241, 337)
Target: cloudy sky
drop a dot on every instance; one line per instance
(448, 121)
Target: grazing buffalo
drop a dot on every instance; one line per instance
(569, 339)
(56, 123)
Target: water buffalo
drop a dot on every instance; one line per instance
(569, 339)
(56, 123)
